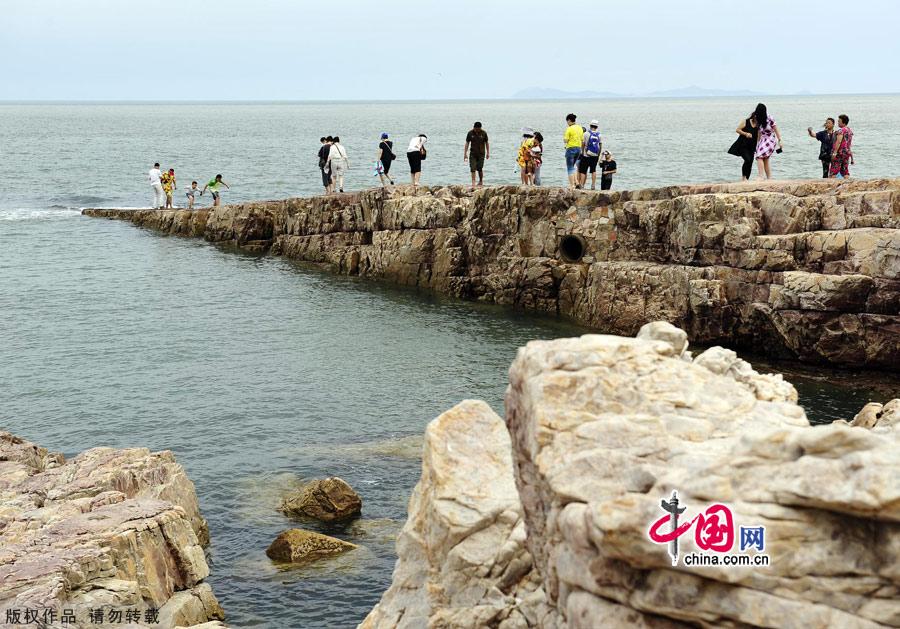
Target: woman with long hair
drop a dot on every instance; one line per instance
(768, 140)
(745, 145)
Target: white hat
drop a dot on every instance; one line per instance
(594, 123)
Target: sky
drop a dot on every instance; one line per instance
(424, 49)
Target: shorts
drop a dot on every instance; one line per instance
(337, 167)
(386, 166)
(572, 155)
(215, 195)
(415, 162)
(476, 163)
(326, 177)
(588, 162)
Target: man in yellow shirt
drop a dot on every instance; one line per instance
(573, 139)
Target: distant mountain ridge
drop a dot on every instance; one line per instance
(691, 91)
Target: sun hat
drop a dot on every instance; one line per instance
(594, 123)
(527, 131)
(384, 136)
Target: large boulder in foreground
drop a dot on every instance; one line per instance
(118, 528)
(601, 430)
(462, 560)
(299, 546)
(328, 500)
(604, 428)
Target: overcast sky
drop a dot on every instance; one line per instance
(423, 49)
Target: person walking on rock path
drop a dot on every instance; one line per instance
(155, 178)
(745, 146)
(324, 150)
(842, 151)
(768, 141)
(523, 157)
(384, 158)
(476, 150)
(168, 185)
(192, 194)
(415, 153)
(537, 158)
(591, 147)
(213, 187)
(826, 142)
(608, 168)
(338, 164)
(572, 138)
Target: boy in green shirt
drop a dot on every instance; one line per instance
(213, 187)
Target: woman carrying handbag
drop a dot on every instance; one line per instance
(415, 154)
(745, 146)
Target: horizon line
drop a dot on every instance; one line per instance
(242, 101)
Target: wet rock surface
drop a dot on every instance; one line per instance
(599, 430)
(300, 546)
(328, 500)
(114, 529)
(800, 269)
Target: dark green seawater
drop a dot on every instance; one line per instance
(255, 371)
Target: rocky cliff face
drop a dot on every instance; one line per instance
(601, 429)
(113, 529)
(808, 269)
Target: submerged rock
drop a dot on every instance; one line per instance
(297, 546)
(601, 429)
(328, 500)
(120, 528)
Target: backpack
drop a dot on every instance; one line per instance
(593, 144)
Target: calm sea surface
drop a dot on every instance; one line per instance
(258, 372)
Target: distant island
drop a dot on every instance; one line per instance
(692, 91)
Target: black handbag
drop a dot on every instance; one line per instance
(736, 149)
(424, 153)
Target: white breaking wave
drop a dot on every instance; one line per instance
(38, 214)
(48, 214)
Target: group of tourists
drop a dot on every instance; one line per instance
(334, 163)
(584, 148)
(759, 138)
(163, 184)
(583, 155)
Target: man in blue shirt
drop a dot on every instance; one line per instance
(826, 138)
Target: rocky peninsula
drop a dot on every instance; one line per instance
(808, 270)
(544, 519)
(113, 533)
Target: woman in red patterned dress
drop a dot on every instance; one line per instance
(842, 151)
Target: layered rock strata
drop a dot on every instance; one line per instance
(601, 429)
(108, 529)
(805, 269)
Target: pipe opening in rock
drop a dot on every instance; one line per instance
(571, 248)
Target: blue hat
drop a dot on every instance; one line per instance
(384, 136)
